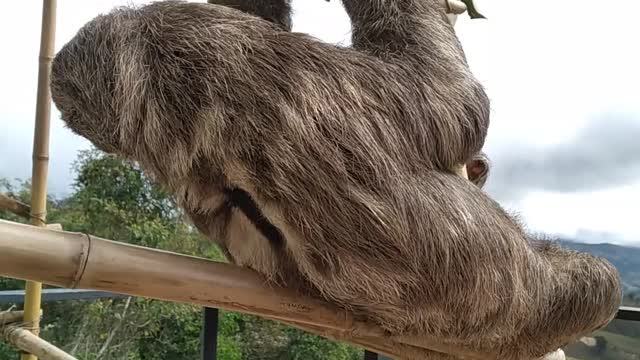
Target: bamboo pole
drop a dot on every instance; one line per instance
(73, 260)
(393, 347)
(33, 290)
(14, 206)
(8, 317)
(27, 341)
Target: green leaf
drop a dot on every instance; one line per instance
(472, 11)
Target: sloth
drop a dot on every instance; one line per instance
(329, 169)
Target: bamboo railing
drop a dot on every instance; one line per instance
(8, 317)
(13, 329)
(15, 332)
(14, 206)
(26, 340)
(73, 260)
(33, 290)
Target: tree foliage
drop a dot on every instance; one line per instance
(115, 200)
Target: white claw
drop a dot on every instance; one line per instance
(454, 6)
(556, 355)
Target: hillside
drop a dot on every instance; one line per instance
(625, 258)
(620, 340)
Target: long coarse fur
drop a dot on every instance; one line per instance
(328, 168)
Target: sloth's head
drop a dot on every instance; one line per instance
(130, 77)
(85, 81)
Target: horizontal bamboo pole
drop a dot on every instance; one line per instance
(9, 317)
(14, 206)
(28, 342)
(381, 345)
(73, 260)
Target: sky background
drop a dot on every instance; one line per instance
(563, 78)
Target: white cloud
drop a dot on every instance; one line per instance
(325, 20)
(549, 67)
(611, 213)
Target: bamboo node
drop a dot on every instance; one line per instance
(41, 157)
(31, 326)
(84, 259)
(34, 330)
(39, 217)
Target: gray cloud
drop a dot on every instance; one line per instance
(604, 154)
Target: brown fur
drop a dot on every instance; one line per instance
(345, 152)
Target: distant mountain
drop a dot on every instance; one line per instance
(620, 340)
(625, 258)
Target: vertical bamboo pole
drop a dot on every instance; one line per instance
(33, 292)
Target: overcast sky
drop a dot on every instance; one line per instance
(563, 78)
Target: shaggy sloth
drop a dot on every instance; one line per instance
(328, 168)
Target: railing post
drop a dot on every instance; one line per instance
(368, 355)
(39, 172)
(209, 337)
